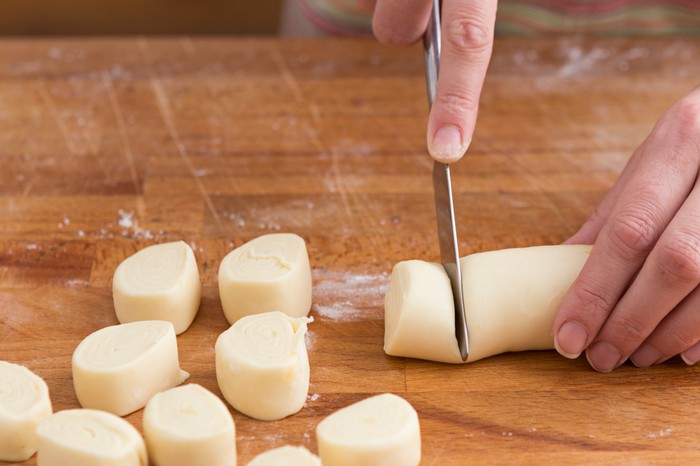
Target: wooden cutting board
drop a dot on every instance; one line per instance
(111, 145)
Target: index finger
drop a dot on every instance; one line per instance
(467, 40)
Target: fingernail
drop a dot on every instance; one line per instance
(645, 356)
(691, 355)
(571, 340)
(603, 357)
(447, 145)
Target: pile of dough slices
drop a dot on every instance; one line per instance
(122, 368)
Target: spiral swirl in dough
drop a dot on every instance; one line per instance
(262, 366)
(87, 437)
(269, 273)
(160, 282)
(380, 430)
(187, 426)
(24, 402)
(286, 456)
(118, 368)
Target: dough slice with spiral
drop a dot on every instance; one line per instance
(160, 282)
(24, 402)
(262, 366)
(89, 437)
(119, 368)
(189, 425)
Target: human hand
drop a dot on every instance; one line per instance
(467, 40)
(637, 296)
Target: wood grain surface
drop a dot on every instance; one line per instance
(107, 146)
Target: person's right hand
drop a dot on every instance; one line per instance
(467, 40)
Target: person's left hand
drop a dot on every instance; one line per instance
(637, 296)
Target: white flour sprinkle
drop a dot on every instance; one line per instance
(126, 219)
(659, 434)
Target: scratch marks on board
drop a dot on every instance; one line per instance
(121, 125)
(51, 105)
(167, 114)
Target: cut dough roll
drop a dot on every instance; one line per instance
(88, 437)
(24, 402)
(160, 282)
(269, 273)
(119, 368)
(286, 456)
(378, 431)
(262, 366)
(187, 426)
(510, 296)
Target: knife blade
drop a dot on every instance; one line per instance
(442, 188)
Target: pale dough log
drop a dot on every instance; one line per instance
(160, 282)
(286, 456)
(187, 426)
(269, 273)
(379, 431)
(511, 297)
(262, 366)
(88, 437)
(24, 402)
(119, 368)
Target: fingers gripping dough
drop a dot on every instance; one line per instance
(286, 456)
(269, 273)
(262, 366)
(378, 431)
(88, 437)
(24, 402)
(119, 368)
(160, 282)
(510, 296)
(187, 426)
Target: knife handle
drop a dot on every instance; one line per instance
(431, 50)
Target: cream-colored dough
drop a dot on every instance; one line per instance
(119, 368)
(379, 431)
(88, 437)
(160, 282)
(262, 366)
(286, 456)
(24, 402)
(269, 273)
(510, 296)
(189, 425)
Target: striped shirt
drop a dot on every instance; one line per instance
(537, 17)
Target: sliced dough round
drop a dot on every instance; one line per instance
(262, 366)
(160, 282)
(269, 273)
(24, 402)
(187, 426)
(377, 431)
(88, 437)
(286, 456)
(119, 368)
(511, 297)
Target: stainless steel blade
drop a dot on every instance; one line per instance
(449, 249)
(442, 187)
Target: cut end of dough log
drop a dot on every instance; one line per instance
(269, 273)
(119, 368)
(511, 297)
(286, 456)
(24, 403)
(262, 366)
(160, 282)
(87, 437)
(380, 430)
(189, 425)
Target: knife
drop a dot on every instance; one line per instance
(442, 187)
